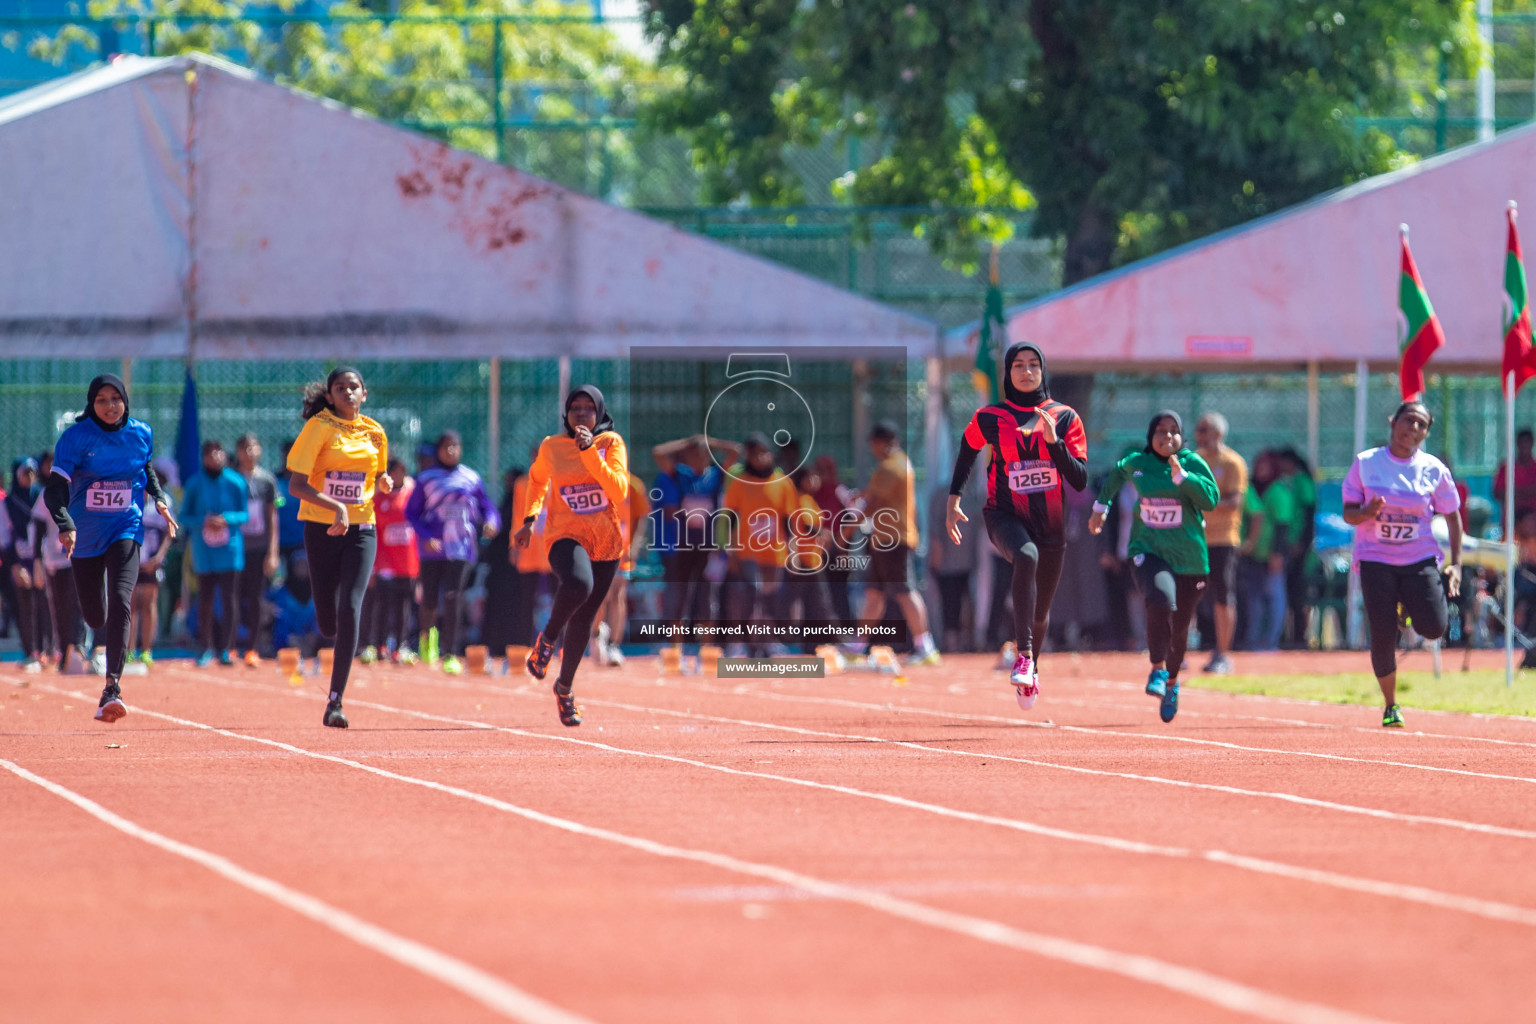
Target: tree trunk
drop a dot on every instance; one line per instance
(1091, 245)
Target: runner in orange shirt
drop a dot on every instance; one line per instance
(582, 479)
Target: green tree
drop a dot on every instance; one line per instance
(433, 72)
(1135, 124)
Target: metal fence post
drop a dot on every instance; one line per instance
(499, 113)
(493, 422)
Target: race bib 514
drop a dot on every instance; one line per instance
(109, 496)
(584, 499)
(346, 488)
(1032, 477)
(1162, 513)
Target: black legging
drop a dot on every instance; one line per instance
(1171, 599)
(685, 584)
(31, 619)
(104, 586)
(583, 587)
(1418, 588)
(216, 633)
(339, 568)
(953, 589)
(391, 610)
(442, 581)
(64, 599)
(1036, 571)
(253, 588)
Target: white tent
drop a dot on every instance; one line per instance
(176, 206)
(1314, 283)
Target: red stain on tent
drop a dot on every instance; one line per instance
(486, 201)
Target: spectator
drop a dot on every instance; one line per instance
(1298, 476)
(261, 545)
(1264, 568)
(952, 566)
(1525, 477)
(1223, 531)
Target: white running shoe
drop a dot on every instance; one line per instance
(1025, 680)
(99, 663)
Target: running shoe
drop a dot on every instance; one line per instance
(1157, 682)
(615, 656)
(32, 666)
(1219, 665)
(1025, 682)
(930, 657)
(452, 666)
(1392, 718)
(333, 716)
(570, 711)
(1170, 703)
(111, 707)
(368, 655)
(99, 663)
(146, 659)
(406, 657)
(252, 659)
(539, 656)
(205, 659)
(226, 658)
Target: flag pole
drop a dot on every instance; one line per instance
(1509, 528)
(1509, 511)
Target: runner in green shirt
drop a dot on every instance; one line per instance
(1168, 553)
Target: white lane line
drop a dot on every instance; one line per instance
(1030, 724)
(1490, 909)
(484, 988)
(1188, 981)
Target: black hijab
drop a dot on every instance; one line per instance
(1013, 394)
(105, 380)
(604, 421)
(1158, 417)
(18, 502)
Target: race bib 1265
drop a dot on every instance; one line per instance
(109, 496)
(1032, 477)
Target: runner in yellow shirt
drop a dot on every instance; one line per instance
(582, 480)
(890, 505)
(340, 458)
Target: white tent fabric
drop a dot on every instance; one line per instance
(1316, 282)
(156, 205)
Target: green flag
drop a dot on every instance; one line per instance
(991, 341)
(1422, 334)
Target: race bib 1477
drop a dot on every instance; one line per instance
(109, 496)
(346, 488)
(1162, 513)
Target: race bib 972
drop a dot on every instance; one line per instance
(1033, 476)
(109, 496)
(346, 488)
(1162, 513)
(1396, 527)
(584, 499)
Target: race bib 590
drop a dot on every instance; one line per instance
(109, 496)
(1032, 477)
(584, 499)
(346, 488)
(1162, 513)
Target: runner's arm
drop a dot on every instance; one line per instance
(152, 486)
(1070, 452)
(56, 499)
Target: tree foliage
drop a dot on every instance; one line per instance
(1134, 124)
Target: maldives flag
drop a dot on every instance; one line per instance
(1422, 333)
(1518, 357)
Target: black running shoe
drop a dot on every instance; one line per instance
(111, 707)
(539, 657)
(333, 716)
(570, 711)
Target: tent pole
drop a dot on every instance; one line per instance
(127, 373)
(565, 386)
(1362, 396)
(1313, 415)
(1509, 528)
(493, 415)
(933, 423)
(1485, 80)
(191, 287)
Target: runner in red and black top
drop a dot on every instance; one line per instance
(1039, 446)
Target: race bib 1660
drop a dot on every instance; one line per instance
(346, 488)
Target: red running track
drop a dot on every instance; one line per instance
(851, 849)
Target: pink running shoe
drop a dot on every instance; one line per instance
(1026, 683)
